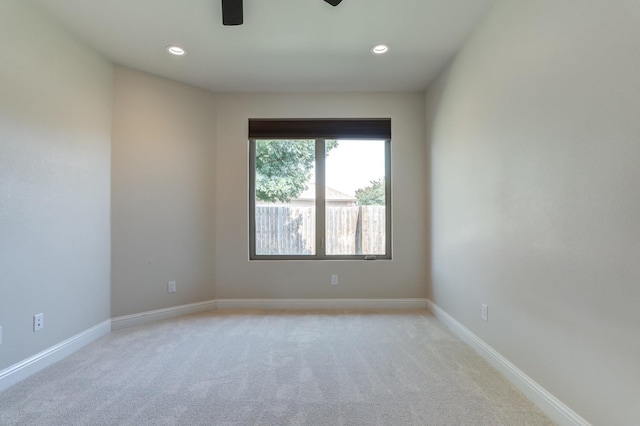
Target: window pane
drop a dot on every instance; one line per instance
(285, 204)
(355, 213)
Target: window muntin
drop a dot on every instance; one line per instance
(320, 221)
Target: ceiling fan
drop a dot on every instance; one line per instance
(232, 11)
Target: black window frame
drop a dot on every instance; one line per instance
(320, 130)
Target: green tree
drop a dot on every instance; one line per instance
(373, 194)
(284, 167)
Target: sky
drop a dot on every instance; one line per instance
(353, 164)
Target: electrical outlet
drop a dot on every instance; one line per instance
(485, 312)
(334, 279)
(38, 322)
(171, 286)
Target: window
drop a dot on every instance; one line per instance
(320, 189)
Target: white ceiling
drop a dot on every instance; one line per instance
(284, 45)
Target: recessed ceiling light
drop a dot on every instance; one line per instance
(379, 49)
(176, 50)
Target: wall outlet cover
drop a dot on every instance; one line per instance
(38, 322)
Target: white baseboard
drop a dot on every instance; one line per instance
(20, 371)
(551, 405)
(285, 304)
(159, 314)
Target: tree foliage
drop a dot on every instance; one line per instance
(284, 167)
(373, 194)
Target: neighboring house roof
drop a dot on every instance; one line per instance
(330, 195)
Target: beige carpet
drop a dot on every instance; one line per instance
(273, 368)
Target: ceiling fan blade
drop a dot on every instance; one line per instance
(333, 2)
(232, 12)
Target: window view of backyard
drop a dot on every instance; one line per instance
(285, 216)
(352, 175)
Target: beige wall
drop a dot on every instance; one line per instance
(55, 124)
(179, 169)
(535, 178)
(403, 277)
(163, 189)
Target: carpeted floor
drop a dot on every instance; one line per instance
(273, 368)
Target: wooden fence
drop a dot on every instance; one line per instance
(349, 230)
